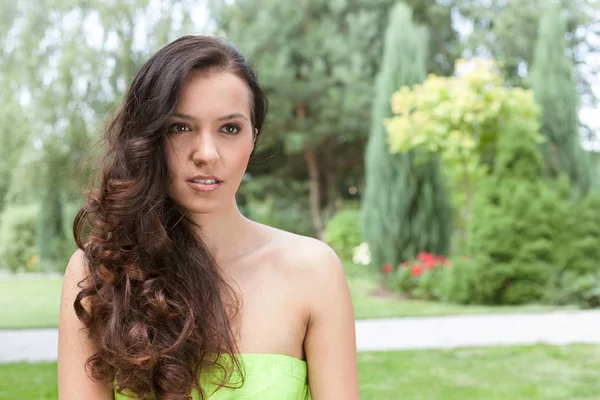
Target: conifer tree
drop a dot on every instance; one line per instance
(405, 208)
(555, 90)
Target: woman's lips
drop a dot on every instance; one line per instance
(205, 187)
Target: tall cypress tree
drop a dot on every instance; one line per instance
(405, 208)
(553, 83)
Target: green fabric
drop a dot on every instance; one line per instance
(267, 377)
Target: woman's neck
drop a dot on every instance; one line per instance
(227, 234)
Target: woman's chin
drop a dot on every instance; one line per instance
(205, 208)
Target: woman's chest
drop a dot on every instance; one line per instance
(272, 316)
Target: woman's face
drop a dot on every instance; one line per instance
(209, 140)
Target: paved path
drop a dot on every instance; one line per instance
(559, 328)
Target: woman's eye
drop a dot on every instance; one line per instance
(231, 129)
(178, 128)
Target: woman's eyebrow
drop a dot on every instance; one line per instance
(232, 116)
(185, 116)
(225, 117)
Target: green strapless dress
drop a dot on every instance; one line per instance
(267, 377)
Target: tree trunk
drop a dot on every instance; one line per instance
(315, 191)
(313, 172)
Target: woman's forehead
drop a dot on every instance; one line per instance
(213, 94)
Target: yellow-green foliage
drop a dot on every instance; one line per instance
(460, 118)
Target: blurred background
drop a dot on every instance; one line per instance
(446, 149)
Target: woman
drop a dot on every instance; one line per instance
(173, 291)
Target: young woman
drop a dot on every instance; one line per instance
(173, 292)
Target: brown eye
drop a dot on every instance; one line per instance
(178, 128)
(231, 129)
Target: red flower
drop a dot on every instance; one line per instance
(387, 268)
(442, 259)
(428, 259)
(416, 270)
(429, 266)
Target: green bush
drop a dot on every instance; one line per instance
(577, 279)
(518, 232)
(516, 242)
(460, 283)
(18, 251)
(342, 232)
(573, 288)
(583, 255)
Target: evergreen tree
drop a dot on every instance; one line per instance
(405, 208)
(555, 90)
(317, 61)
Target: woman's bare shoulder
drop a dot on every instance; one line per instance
(74, 346)
(76, 270)
(307, 255)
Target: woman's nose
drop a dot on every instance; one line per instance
(205, 148)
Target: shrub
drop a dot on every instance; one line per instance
(460, 284)
(517, 229)
(530, 242)
(18, 251)
(572, 288)
(583, 252)
(342, 232)
(577, 278)
(516, 242)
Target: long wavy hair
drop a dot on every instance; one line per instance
(153, 301)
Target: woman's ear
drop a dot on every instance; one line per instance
(255, 134)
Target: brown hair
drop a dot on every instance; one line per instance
(155, 304)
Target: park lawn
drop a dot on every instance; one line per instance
(496, 373)
(34, 303)
(29, 303)
(28, 381)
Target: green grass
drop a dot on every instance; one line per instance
(499, 373)
(29, 303)
(28, 381)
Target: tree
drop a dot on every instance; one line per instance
(317, 61)
(444, 46)
(405, 208)
(507, 30)
(461, 119)
(553, 83)
(52, 64)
